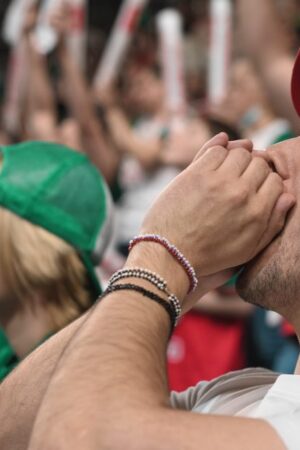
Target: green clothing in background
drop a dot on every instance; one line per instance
(8, 358)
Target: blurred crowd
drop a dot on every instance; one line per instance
(125, 131)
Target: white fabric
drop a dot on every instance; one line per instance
(255, 393)
(270, 133)
(140, 187)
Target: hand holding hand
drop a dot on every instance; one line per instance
(222, 210)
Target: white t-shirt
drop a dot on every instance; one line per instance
(270, 133)
(254, 393)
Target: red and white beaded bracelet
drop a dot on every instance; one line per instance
(173, 250)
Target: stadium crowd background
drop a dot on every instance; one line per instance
(124, 131)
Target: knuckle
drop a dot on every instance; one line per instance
(276, 179)
(259, 216)
(217, 149)
(240, 194)
(244, 153)
(261, 164)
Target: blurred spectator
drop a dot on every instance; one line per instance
(266, 39)
(55, 222)
(247, 107)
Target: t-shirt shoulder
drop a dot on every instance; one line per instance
(203, 392)
(281, 409)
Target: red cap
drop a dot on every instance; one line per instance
(295, 87)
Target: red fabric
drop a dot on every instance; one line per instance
(287, 329)
(203, 348)
(295, 84)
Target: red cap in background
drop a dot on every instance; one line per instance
(295, 87)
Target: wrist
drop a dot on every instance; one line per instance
(152, 256)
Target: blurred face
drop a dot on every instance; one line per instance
(144, 92)
(272, 279)
(245, 90)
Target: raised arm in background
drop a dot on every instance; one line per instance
(126, 140)
(39, 114)
(266, 40)
(79, 101)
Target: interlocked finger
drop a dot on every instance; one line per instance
(220, 139)
(256, 173)
(236, 162)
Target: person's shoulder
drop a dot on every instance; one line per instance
(281, 409)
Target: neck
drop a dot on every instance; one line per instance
(261, 117)
(27, 326)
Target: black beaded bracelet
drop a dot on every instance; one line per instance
(149, 294)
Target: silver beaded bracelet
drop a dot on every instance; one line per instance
(153, 278)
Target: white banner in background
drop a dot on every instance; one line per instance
(14, 19)
(119, 41)
(77, 39)
(45, 37)
(220, 49)
(170, 29)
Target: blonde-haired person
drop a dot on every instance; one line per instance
(55, 219)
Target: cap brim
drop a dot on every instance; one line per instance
(295, 86)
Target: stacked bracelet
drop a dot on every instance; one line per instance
(169, 307)
(144, 274)
(173, 250)
(153, 278)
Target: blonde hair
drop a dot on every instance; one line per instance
(32, 260)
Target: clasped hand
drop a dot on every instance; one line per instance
(222, 210)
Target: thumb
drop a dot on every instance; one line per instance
(278, 218)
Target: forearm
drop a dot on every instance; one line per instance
(80, 104)
(262, 32)
(265, 39)
(115, 355)
(122, 400)
(126, 140)
(21, 393)
(40, 93)
(76, 93)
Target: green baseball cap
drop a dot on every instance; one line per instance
(59, 190)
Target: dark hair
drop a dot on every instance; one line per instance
(217, 126)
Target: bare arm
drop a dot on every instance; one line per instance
(110, 388)
(79, 101)
(21, 393)
(39, 115)
(147, 151)
(40, 91)
(266, 41)
(124, 403)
